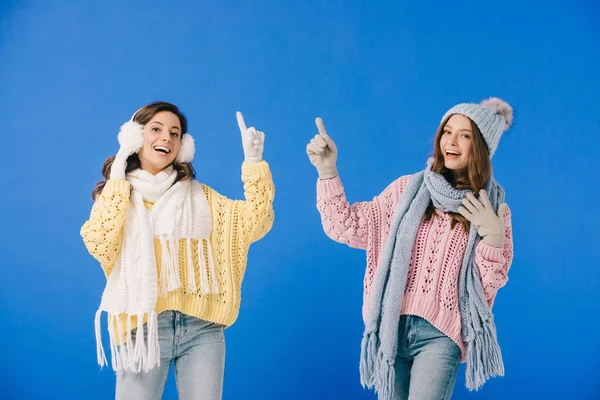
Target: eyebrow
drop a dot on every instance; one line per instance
(460, 130)
(160, 123)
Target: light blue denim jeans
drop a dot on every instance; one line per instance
(197, 348)
(427, 362)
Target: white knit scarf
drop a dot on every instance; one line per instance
(180, 211)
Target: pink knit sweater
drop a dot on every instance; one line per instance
(431, 289)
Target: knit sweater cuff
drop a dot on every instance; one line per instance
(116, 186)
(330, 187)
(260, 168)
(490, 253)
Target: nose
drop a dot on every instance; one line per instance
(454, 139)
(166, 137)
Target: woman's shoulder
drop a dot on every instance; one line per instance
(400, 183)
(210, 193)
(196, 184)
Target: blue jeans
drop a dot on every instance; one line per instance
(427, 362)
(198, 349)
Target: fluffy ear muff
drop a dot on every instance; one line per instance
(131, 136)
(187, 149)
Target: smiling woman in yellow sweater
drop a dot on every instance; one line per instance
(174, 252)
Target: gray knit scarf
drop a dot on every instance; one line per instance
(380, 341)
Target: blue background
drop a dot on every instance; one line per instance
(381, 76)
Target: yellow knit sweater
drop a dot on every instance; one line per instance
(235, 225)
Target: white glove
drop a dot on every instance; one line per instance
(131, 139)
(489, 225)
(253, 141)
(322, 152)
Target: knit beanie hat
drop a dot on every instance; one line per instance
(493, 116)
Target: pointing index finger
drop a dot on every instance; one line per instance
(321, 126)
(241, 123)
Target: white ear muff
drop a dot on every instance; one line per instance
(131, 136)
(187, 149)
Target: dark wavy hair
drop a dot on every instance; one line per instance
(143, 116)
(479, 170)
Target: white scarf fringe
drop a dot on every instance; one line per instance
(181, 212)
(170, 279)
(192, 287)
(143, 355)
(213, 274)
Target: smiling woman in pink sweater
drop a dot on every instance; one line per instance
(429, 341)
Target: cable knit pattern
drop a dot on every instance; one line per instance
(236, 224)
(432, 285)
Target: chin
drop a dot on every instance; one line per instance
(454, 167)
(158, 166)
(163, 166)
(450, 166)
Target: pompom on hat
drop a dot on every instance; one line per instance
(493, 117)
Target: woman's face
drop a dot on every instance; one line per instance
(162, 140)
(456, 142)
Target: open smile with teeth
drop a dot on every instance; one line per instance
(452, 153)
(162, 149)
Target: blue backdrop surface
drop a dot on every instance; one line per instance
(381, 75)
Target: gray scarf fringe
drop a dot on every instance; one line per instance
(380, 341)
